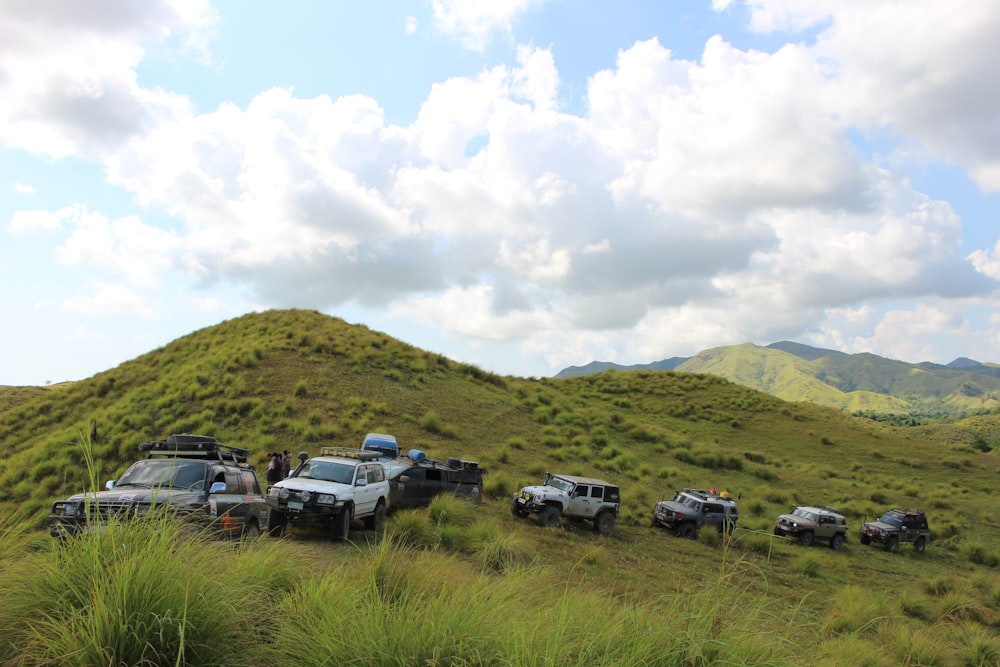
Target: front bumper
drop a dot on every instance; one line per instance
(665, 517)
(295, 509)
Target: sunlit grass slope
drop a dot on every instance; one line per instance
(299, 380)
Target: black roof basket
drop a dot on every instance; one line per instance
(187, 445)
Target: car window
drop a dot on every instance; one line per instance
(713, 508)
(597, 492)
(233, 482)
(250, 483)
(433, 474)
(375, 474)
(581, 491)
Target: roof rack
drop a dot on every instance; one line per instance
(418, 456)
(360, 454)
(187, 445)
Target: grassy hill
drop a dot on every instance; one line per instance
(299, 380)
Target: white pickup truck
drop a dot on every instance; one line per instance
(332, 490)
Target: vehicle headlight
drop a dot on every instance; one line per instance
(305, 496)
(326, 499)
(69, 509)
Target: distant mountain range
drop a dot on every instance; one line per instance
(853, 382)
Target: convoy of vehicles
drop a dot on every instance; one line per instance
(206, 481)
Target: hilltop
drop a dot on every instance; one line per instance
(299, 380)
(855, 382)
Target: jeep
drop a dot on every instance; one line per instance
(194, 476)
(690, 509)
(332, 490)
(897, 526)
(414, 480)
(570, 496)
(807, 524)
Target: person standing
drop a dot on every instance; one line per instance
(273, 474)
(286, 464)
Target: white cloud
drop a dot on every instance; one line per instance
(109, 299)
(68, 75)
(24, 189)
(475, 22)
(24, 222)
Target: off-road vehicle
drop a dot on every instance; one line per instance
(332, 490)
(897, 526)
(807, 524)
(414, 479)
(572, 497)
(193, 476)
(690, 509)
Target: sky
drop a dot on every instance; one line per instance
(523, 185)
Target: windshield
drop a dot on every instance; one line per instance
(394, 470)
(803, 514)
(693, 503)
(561, 484)
(327, 471)
(892, 519)
(178, 474)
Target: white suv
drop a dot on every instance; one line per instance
(570, 496)
(333, 489)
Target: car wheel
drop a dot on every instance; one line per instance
(251, 531)
(836, 542)
(806, 538)
(604, 523)
(920, 545)
(376, 520)
(865, 539)
(276, 523)
(892, 543)
(549, 517)
(687, 530)
(341, 525)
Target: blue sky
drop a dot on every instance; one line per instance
(522, 184)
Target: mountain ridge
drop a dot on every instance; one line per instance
(856, 382)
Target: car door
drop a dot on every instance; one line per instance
(580, 502)
(365, 493)
(227, 505)
(711, 514)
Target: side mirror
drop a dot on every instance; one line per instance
(303, 456)
(363, 481)
(110, 484)
(404, 478)
(217, 487)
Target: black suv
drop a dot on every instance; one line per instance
(414, 479)
(193, 475)
(896, 526)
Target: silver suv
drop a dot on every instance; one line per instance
(807, 524)
(690, 509)
(331, 489)
(570, 496)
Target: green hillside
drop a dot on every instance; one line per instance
(855, 382)
(299, 380)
